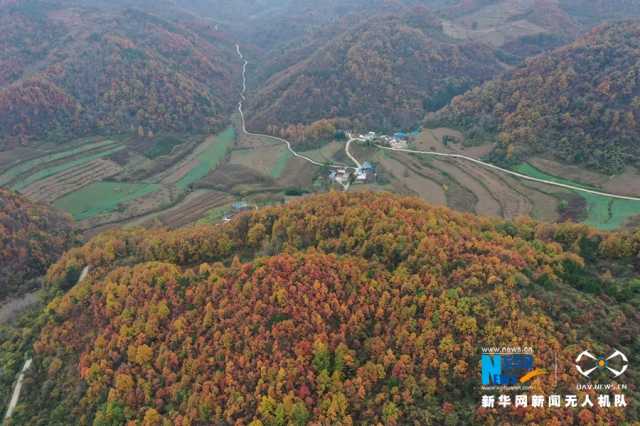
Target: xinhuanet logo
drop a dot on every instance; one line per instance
(508, 366)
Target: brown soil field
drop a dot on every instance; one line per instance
(54, 187)
(544, 206)
(327, 152)
(193, 208)
(513, 203)
(262, 159)
(568, 171)
(627, 183)
(152, 202)
(298, 173)
(229, 176)
(458, 197)
(431, 140)
(415, 184)
(487, 204)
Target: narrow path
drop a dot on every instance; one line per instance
(286, 142)
(17, 389)
(15, 396)
(346, 148)
(512, 173)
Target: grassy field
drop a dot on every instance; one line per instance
(602, 212)
(281, 164)
(209, 158)
(102, 197)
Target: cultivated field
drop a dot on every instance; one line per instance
(468, 187)
(193, 208)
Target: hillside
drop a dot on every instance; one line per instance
(32, 237)
(383, 73)
(580, 103)
(69, 72)
(337, 309)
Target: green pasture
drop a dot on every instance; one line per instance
(602, 212)
(102, 197)
(25, 166)
(281, 164)
(50, 171)
(209, 158)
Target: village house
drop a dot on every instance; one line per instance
(365, 173)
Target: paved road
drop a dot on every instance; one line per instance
(512, 173)
(346, 148)
(286, 142)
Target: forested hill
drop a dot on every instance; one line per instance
(337, 309)
(32, 237)
(580, 103)
(384, 72)
(68, 72)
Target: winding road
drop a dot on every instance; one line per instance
(346, 149)
(15, 396)
(286, 142)
(512, 173)
(413, 151)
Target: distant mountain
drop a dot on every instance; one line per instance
(580, 103)
(32, 237)
(383, 73)
(592, 12)
(69, 72)
(338, 309)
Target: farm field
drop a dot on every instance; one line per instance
(326, 153)
(195, 206)
(102, 197)
(51, 171)
(468, 187)
(56, 186)
(602, 212)
(208, 157)
(96, 182)
(35, 169)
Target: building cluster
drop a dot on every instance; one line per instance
(237, 208)
(363, 174)
(397, 141)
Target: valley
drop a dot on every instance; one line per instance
(301, 212)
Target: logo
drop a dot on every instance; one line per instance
(508, 369)
(602, 362)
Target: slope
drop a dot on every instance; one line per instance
(32, 237)
(383, 73)
(84, 71)
(337, 309)
(580, 103)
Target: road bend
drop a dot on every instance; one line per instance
(512, 173)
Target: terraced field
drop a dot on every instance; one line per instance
(469, 187)
(602, 212)
(93, 182)
(27, 172)
(58, 185)
(201, 161)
